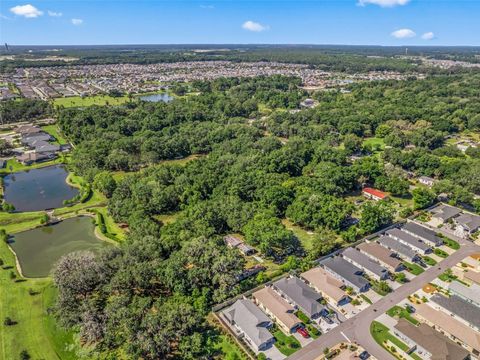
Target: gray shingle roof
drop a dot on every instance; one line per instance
(248, 317)
(409, 239)
(462, 308)
(445, 212)
(300, 294)
(471, 292)
(396, 246)
(422, 232)
(345, 270)
(469, 221)
(364, 261)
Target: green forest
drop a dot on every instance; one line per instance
(254, 171)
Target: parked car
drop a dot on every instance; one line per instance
(328, 320)
(364, 355)
(302, 331)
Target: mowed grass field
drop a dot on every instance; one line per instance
(35, 330)
(100, 100)
(55, 132)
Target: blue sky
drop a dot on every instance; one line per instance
(356, 22)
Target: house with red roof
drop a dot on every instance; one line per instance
(374, 194)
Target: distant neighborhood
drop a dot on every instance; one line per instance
(66, 81)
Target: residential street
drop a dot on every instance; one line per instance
(357, 329)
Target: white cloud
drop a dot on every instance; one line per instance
(28, 11)
(428, 36)
(384, 3)
(54, 13)
(403, 34)
(254, 26)
(77, 22)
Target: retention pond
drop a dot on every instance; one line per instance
(39, 249)
(38, 189)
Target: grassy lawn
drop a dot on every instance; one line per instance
(447, 277)
(111, 225)
(413, 268)
(286, 344)
(13, 165)
(228, 349)
(55, 132)
(440, 253)
(96, 200)
(16, 222)
(313, 331)
(35, 331)
(304, 318)
(374, 143)
(367, 300)
(429, 261)
(452, 244)
(381, 334)
(399, 312)
(302, 234)
(403, 201)
(182, 161)
(101, 100)
(167, 218)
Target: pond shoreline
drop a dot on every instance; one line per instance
(96, 233)
(39, 189)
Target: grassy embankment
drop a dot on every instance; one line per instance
(35, 330)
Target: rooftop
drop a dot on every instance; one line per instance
(422, 232)
(301, 294)
(326, 283)
(346, 270)
(462, 308)
(469, 221)
(248, 317)
(397, 246)
(281, 309)
(445, 212)
(375, 192)
(364, 261)
(470, 292)
(435, 343)
(383, 254)
(472, 276)
(409, 239)
(454, 327)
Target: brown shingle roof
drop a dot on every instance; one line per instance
(431, 340)
(282, 310)
(382, 254)
(472, 276)
(450, 325)
(326, 283)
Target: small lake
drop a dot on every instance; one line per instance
(38, 189)
(39, 249)
(157, 97)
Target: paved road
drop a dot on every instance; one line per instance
(357, 329)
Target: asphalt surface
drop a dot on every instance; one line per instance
(357, 328)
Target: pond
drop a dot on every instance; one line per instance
(157, 97)
(38, 189)
(39, 249)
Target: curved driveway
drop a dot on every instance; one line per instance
(357, 328)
